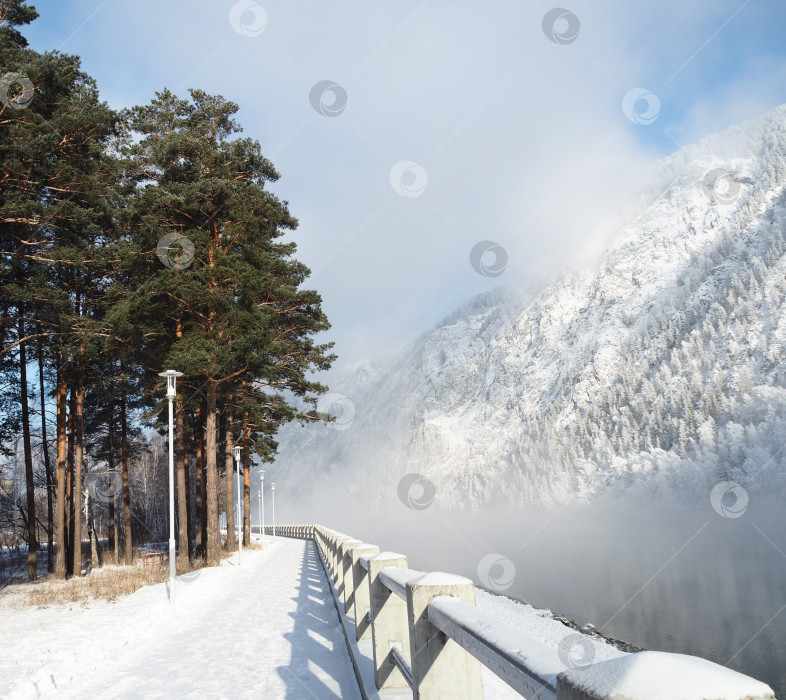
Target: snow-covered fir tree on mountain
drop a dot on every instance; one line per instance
(659, 371)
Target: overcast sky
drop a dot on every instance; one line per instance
(437, 125)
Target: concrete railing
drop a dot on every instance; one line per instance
(428, 635)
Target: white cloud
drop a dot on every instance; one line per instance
(523, 140)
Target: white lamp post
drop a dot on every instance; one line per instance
(273, 497)
(236, 450)
(262, 503)
(171, 379)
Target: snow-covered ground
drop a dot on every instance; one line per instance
(265, 629)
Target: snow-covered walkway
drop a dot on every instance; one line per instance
(265, 629)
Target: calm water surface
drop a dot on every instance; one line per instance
(687, 581)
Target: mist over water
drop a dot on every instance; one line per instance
(678, 580)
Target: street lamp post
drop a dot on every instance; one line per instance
(236, 451)
(273, 498)
(171, 379)
(262, 503)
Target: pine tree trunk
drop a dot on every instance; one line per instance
(111, 518)
(117, 537)
(110, 528)
(32, 539)
(211, 478)
(246, 490)
(181, 466)
(128, 551)
(78, 460)
(88, 507)
(203, 466)
(70, 462)
(95, 561)
(199, 486)
(60, 513)
(189, 488)
(50, 485)
(99, 553)
(5, 326)
(182, 491)
(229, 484)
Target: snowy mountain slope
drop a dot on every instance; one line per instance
(660, 370)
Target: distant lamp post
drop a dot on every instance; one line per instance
(236, 450)
(262, 503)
(273, 498)
(171, 379)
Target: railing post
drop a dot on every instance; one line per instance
(338, 562)
(388, 622)
(333, 546)
(359, 605)
(346, 583)
(440, 667)
(332, 558)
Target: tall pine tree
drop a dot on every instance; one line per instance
(54, 174)
(242, 316)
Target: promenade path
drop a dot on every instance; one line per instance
(265, 629)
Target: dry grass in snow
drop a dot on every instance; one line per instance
(108, 583)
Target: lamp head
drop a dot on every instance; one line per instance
(236, 451)
(171, 377)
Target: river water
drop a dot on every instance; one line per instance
(679, 580)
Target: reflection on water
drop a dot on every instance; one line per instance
(674, 580)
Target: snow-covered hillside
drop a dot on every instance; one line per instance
(661, 370)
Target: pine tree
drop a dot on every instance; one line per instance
(89, 290)
(243, 315)
(52, 131)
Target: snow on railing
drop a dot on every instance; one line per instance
(428, 635)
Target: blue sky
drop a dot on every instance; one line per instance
(505, 134)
